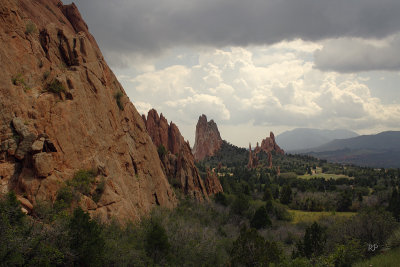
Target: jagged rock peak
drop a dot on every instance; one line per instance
(267, 145)
(63, 110)
(207, 140)
(177, 158)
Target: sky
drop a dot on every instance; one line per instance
(255, 66)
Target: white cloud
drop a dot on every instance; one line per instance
(235, 87)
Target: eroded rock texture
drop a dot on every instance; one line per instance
(62, 110)
(207, 139)
(177, 158)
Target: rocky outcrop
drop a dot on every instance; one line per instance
(207, 140)
(267, 145)
(62, 110)
(177, 158)
(253, 159)
(212, 183)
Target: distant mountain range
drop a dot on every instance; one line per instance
(379, 150)
(307, 138)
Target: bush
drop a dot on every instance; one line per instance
(19, 80)
(82, 181)
(30, 27)
(162, 151)
(55, 87)
(347, 254)
(394, 239)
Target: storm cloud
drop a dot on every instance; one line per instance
(149, 27)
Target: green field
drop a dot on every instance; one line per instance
(389, 258)
(319, 174)
(311, 216)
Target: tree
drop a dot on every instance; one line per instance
(157, 245)
(394, 204)
(286, 195)
(260, 219)
(251, 249)
(267, 194)
(345, 201)
(240, 205)
(86, 239)
(313, 242)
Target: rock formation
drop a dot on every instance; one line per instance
(267, 145)
(177, 158)
(207, 140)
(63, 110)
(253, 159)
(213, 186)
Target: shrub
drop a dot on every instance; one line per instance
(118, 98)
(347, 254)
(394, 239)
(55, 87)
(30, 27)
(82, 181)
(162, 151)
(19, 80)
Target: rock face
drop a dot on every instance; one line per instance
(177, 158)
(207, 140)
(213, 186)
(267, 145)
(62, 110)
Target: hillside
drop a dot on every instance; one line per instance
(380, 150)
(306, 138)
(62, 111)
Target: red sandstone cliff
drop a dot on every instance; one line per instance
(177, 158)
(207, 139)
(62, 110)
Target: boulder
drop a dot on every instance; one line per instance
(43, 163)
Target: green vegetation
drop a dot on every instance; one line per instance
(30, 27)
(55, 87)
(19, 80)
(300, 216)
(261, 219)
(162, 151)
(118, 98)
(386, 259)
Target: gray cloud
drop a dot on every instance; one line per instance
(149, 27)
(353, 55)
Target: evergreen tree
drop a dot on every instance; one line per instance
(313, 242)
(86, 239)
(251, 249)
(286, 195)
(267, 194)
(394, 204)
(260, 219)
